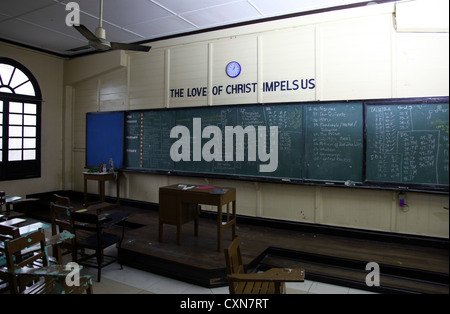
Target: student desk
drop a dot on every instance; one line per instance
(101, 177)
(178, 204)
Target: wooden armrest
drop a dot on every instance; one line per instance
(13, 199)
(273, 275)
(113, 219)
(12, 222)
(48, 271)
(24, 200)
(24, 230)
(248, 277)
(98, 208)
(59, 238)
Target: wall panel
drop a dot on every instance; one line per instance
(289, 55)
(146, 80)
(242, 49)
(422, 64)
(188, 72)
(354, 58)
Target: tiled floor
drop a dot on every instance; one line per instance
(134, 281)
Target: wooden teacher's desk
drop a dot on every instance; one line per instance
(101, 177)
(178, 204)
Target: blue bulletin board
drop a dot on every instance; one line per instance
(104, 138)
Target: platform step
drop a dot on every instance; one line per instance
(353, 273)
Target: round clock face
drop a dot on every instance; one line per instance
(233, 69)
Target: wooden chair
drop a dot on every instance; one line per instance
(97, 241)
(7, 201)
(269, 282)
(60, 210)
(12, 202)
(7, 233)
(54, 276)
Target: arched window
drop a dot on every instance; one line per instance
(20, 122)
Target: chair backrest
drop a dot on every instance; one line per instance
(85, 221)
(2, 197)
(16, 260)
(2, 200)
(15, 246)
(60, 216)
(61, 200)
(233, 258)
(8, 233)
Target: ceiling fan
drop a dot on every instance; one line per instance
(98, 40)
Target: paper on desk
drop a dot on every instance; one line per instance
(205, 187)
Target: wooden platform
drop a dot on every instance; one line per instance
(196, 260)
(332, 259)
(405, 266)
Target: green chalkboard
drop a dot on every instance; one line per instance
(382, 143)
(250, 140)
(334, 142)
(408, 143)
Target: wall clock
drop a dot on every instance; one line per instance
(233, 69)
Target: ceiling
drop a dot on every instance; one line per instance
(41, 24)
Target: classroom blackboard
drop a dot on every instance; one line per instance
(334, 142)
(227, 140)
(408, 143)
(390, 144)
(104, 138)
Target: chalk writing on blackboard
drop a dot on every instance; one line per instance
(408, 143)
(386, 143)
(334, 136)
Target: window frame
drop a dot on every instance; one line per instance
(21, 169)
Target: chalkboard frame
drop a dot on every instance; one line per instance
(400, 186)
(365, 184)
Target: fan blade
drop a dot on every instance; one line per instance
(133, 47)
(86, 33)
(79, 48)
